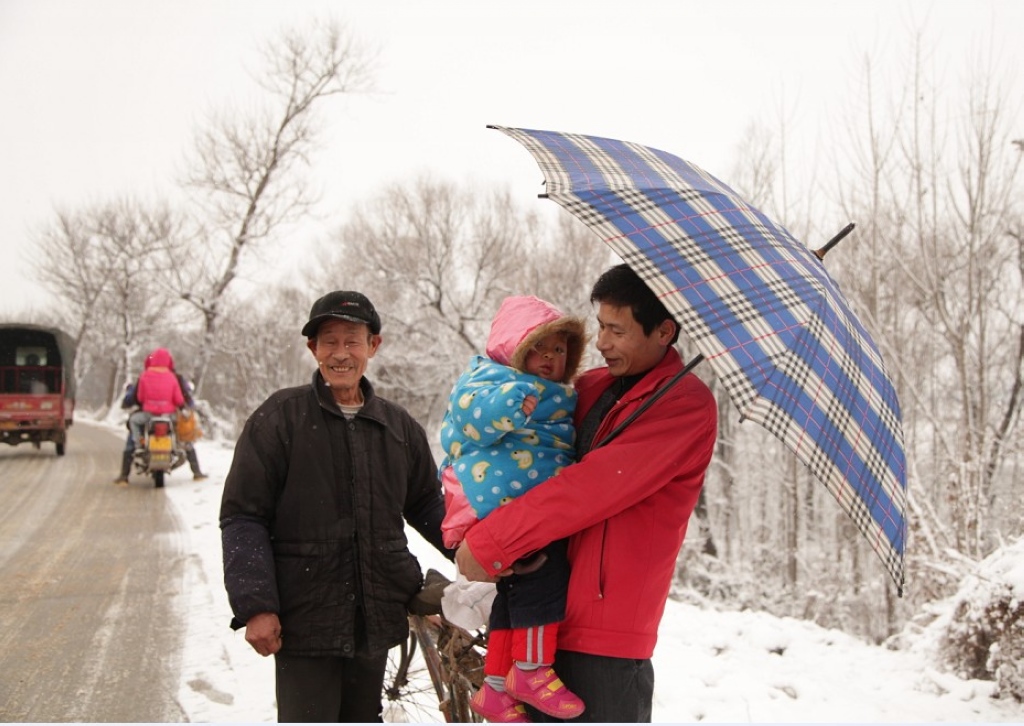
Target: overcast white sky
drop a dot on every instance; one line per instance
(100, 97)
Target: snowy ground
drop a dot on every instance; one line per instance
(710, 666)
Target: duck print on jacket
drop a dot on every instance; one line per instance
(496, 451)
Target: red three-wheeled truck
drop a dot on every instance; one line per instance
(37, 385)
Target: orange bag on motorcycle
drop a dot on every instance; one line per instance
(186, 427)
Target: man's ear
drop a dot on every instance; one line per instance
(311, 344)
(666, 329)
(375, 341)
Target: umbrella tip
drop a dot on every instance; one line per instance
(823, 250)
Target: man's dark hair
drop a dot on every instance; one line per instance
(621, 287)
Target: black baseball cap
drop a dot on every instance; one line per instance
(342, 305)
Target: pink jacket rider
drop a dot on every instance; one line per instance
(158, 391)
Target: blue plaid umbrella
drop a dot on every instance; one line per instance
(760, 308)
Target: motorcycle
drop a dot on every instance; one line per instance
(159, 452)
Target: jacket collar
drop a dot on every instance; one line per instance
(372, 405)
(598, 380)
(667, 367)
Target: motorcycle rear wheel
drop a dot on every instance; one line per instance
(158, 479)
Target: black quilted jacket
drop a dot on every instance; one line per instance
(312, 519)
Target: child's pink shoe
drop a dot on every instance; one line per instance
(544, 690)
(498, 707)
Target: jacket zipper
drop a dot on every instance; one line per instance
(620, 403)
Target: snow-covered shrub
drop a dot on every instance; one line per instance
(702, 578)
(983, 635)
(707, 581)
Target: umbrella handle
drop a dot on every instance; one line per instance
(822, 251)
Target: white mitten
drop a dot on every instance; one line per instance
(468, 604)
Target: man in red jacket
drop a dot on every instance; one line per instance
(625, 505)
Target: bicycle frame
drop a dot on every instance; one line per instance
(453, 660)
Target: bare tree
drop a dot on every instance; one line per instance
(566, 265)
(436, 259)
(246, 169)
(1002, 437)
(936, 276)
(111, 280)
(720, 514)
(240, 380)
(959, 268)
(761, 502)
(80, 281)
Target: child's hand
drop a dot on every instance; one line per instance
(529, 404)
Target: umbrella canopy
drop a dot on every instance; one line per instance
(758, 305)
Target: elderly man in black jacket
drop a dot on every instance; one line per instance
(316, 562)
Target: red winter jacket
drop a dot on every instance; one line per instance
(626, 506)
(158, 391)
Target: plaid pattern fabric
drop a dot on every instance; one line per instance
(761, 308)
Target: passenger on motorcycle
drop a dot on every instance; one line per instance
(158, 392)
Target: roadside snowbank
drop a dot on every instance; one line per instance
(714, 667)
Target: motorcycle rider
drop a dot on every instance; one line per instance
(157, 392)
(128, 402)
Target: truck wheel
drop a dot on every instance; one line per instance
(60, 448)
(158, 479)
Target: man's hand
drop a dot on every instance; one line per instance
(263, 633)
(471, 569)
